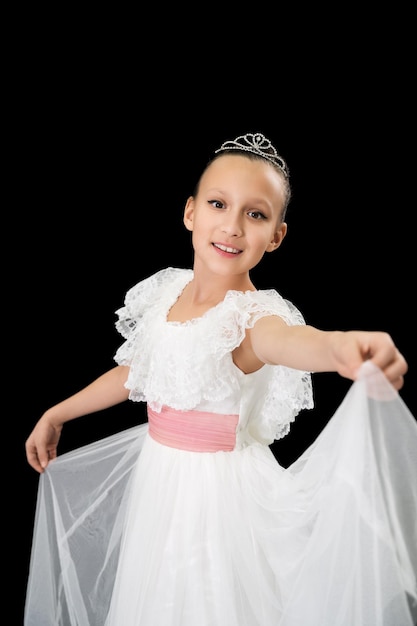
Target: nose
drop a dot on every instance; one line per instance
(232, 224)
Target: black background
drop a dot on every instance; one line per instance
(105, 149)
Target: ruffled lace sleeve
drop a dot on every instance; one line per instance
(273, 396)
(145, 300)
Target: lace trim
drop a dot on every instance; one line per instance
(166, 368)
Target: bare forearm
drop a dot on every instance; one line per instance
(313, 350)
(106, 391)
(300, 347)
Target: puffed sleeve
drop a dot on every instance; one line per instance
(144, 300)
(273, 396)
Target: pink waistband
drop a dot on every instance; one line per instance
(196, 431)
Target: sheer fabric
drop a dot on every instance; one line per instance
(131, 532)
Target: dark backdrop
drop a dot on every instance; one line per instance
(102, 173)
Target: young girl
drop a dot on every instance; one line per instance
(189, 520)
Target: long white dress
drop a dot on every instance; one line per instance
(130, 531)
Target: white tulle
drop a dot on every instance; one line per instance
(129, 532)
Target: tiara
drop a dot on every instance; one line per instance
(257, 144)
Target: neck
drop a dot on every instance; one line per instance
(209, 287)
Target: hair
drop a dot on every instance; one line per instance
(252, 157)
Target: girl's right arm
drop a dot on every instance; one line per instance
(106, 391)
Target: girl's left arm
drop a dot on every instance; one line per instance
(307, 348)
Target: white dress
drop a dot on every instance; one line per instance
(132, 532)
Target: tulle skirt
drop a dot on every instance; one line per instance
(129, 532)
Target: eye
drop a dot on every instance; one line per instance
(256, 215)
(216, 204)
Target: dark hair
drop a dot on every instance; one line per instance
(252, 157)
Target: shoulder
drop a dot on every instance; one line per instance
(257, 304)
(168, 275)
(153, 292)
(162, 283)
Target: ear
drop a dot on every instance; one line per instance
(278, 237)
(189, 213)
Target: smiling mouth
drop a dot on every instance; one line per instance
(227, 249)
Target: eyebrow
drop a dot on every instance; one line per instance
(216, 190)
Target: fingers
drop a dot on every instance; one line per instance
(41, 445)
(39, 463)
(398, 382)
(393, 364)
(395, 375)
(379, 348)
(38, 457)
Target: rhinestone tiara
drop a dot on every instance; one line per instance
(257, 144)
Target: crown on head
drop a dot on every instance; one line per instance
(257, 144)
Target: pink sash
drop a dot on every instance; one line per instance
(196, 431)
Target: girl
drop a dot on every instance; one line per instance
(189, 520)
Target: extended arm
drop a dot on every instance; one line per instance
(310, 349)
(106, 391)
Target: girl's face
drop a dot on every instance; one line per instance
(236, 216)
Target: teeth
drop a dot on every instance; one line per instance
(226, 249)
